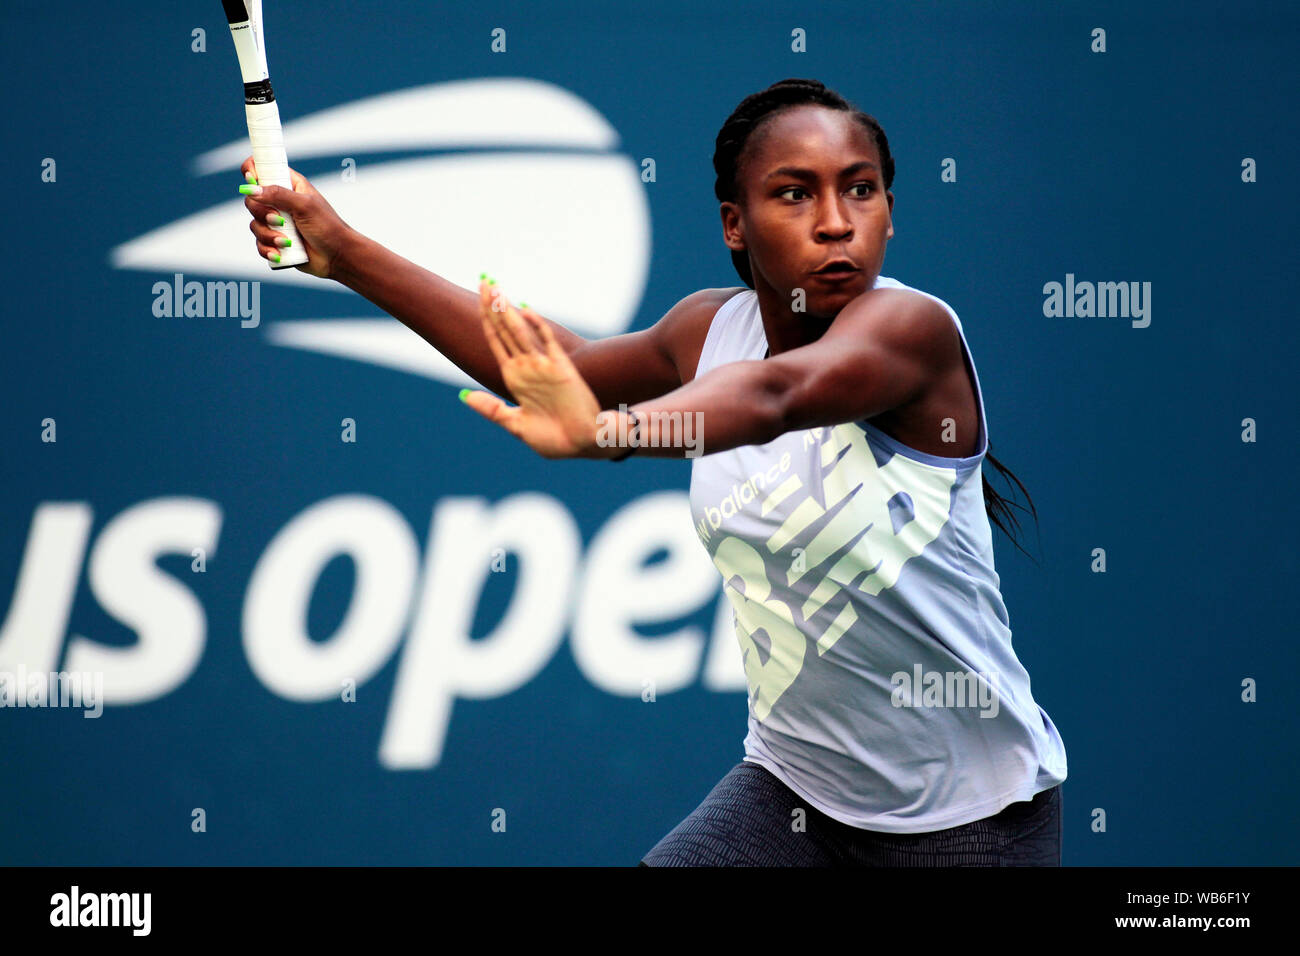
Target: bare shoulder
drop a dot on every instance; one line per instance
(682, 330)
(905, 321)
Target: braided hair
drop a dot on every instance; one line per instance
(729, 151)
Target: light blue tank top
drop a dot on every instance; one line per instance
(883, 688)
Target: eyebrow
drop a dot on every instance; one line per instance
(796, 173)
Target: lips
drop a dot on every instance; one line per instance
(844, 266)
(837, 272)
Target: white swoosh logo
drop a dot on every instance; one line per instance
(567, 232)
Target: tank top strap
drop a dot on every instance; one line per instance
(731, 333)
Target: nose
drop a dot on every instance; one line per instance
(832, 223)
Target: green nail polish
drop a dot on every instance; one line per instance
(249, 177)
(281, 218)
(523, 305)
(463, 392)
(275, 257)
(482, 275)
(247, 190)
(492, 281)
(284, 242)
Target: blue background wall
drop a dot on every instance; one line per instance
(1116, 166)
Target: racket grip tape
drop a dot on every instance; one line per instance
(273, 170)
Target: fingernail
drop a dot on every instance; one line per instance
(464, 392)
(284, 242)
(482, 276)
(523, 305)
(274, 257)
(251, 190)
(492, 281)
(250, 177)
(275, 219)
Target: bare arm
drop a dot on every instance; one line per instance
(880, 352)
(619, 369)
(439, 311)
(883, 350)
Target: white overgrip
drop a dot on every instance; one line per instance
(273, 170)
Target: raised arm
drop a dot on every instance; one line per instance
(620, 369)
(881, 351)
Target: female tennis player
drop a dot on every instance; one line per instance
(836, 482)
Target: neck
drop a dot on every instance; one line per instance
(785, 329)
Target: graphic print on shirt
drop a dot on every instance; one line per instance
(844, 534)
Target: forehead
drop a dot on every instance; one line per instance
(811, 135)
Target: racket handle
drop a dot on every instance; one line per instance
(273, 170)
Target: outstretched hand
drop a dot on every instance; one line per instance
(557, 411)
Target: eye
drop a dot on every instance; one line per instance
(791, 189)
(868, 186)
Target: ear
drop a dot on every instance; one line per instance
(733, 232)
(889, 195)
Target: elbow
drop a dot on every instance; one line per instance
(782, 403)
(808, 398)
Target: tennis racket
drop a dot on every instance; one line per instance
(263, 115)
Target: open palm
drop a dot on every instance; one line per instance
(556, 414)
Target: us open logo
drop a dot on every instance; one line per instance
(527, 182)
